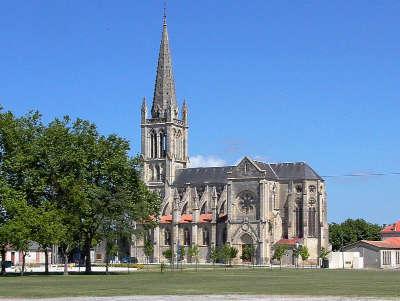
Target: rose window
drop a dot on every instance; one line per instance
(246, 202)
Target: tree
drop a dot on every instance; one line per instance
(280, 251)
(248, 253)
(148, 249)
(87, 177)
(323, 254)
(168, 254)
(304, 254)
(214, 255)
(19, 226)
(351, 231)
(193, 253)
(48, 229)
(93, 180)
(7, 196)
(228, 253)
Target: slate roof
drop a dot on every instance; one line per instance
(291, 171)
(201, 175)
(218, 175)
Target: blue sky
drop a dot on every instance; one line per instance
(314, 81)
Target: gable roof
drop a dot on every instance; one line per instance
(219, 175)
(291, 171)
(389, 243)
(201, 175)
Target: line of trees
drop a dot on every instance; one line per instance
(351, 231)
(65, 184)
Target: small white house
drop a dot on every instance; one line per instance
(383, 254)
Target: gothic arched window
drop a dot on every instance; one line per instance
(206, 237)
(224, 236)
(203, 209)
(222, 208)
(299, 222)
(184, 209)
(186, 237)
(163, 144)
(311, 222)
(167, 237)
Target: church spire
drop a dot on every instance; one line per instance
(164, 101)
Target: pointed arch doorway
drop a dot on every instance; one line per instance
(247, 248)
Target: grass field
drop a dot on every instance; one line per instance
(232, 281)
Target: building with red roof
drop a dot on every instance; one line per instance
(392, 230)
(383, 253)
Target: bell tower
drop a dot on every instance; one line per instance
(164, 133)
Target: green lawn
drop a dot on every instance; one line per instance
(239, 281)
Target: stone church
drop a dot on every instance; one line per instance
(253, 203)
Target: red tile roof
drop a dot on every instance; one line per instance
(205, 218)
(186, 218)
(393, 228)
(166, 219)
(289, 241)
(389, 243)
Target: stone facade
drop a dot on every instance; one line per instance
(252, 203)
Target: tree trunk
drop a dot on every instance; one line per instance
(46, 261)
(65, 263)
(23, 263)
(88, 263)
(3, 259)
(107, 264)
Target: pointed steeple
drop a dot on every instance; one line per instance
(164, 100)
(144, 110)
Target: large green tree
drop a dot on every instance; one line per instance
(88, 180)
(352, 230)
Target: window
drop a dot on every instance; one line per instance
(184, 209)
(386, 257)
(397, 257)
(222, 208)
(203, 209)
(299, 222)
(167, 237)
(206, 237)
(163, 144)
(311, 222)
(186, 237)
(247, 202)
(224, 236)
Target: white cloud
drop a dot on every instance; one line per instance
(206, 161)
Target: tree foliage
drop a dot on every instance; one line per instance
(304, 253)
(82, 187)
(352, 230)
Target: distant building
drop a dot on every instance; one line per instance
(252, 203)
(392, 230)
(35, 255)
(383, 253)
(378, 254)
